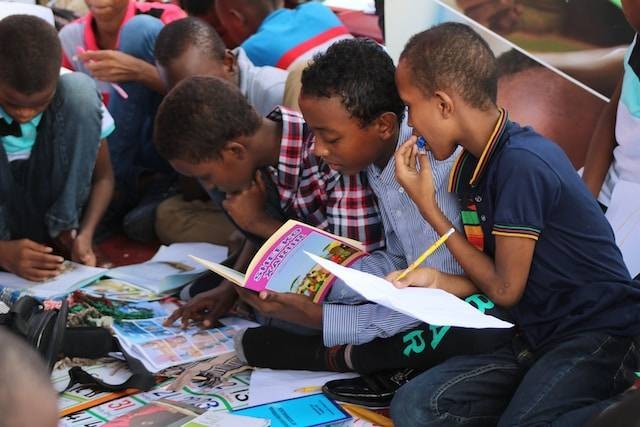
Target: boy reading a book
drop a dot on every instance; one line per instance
(535, 241)
(55, 172)
(26, 395)
(263, 170)
(350, 100)
(190, 47)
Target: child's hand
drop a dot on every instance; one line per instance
(29, 259)
(420, 277)
(287, 306)
(82, 250)
(417, 183)
(247, 206)
(111, 65)
(206, 307)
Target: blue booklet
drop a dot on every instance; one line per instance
(314, 410)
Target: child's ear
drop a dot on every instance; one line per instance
(386, 124)
(445, 104)
(234, 150)
(229, 63)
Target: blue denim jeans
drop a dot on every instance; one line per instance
(46, 193)
(131, 145)
(564, 384)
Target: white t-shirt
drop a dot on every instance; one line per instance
(626, 155)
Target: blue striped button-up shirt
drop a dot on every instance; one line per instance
(347, 317)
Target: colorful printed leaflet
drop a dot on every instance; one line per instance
(282, 266)
(159, 347)
(232, 394)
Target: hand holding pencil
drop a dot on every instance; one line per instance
(426, 276)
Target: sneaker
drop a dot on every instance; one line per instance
(374, 391)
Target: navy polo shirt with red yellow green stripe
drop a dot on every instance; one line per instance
(524, 186)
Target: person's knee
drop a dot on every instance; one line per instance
(138, 36)
(410, 405)
(78, 94)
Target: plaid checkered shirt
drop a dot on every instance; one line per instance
(314, 193)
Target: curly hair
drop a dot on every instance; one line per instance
(30, 53)
(453, 56)
(361, 73)
(199, 116)
(175, 38)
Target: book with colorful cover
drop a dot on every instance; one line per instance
(159, 347)
(313, 410)
(282, 266)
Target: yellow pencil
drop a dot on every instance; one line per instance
(367, 415)
(310, 389)
(426, 253)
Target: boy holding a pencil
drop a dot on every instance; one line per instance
(349, 98)
(534, 241)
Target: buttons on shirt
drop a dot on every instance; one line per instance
(483, 218)
(401, 190)
(478, 198)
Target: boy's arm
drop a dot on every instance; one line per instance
(459, 286)
(115, 66)
(247, 209)
(603, 141)
(502, 280)
(209, 306)
(101, 191)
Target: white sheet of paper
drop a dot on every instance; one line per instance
(433, 306)
(268, 385)
(213, 418)
(624, 216)
(179, 252)
(75, 276)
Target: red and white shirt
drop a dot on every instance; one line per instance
(314, 193)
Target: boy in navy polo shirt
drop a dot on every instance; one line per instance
(536, 242)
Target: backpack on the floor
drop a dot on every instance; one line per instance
(47, 332)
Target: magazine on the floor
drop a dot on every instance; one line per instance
(282, 266)
(170, 268)
(159, 347)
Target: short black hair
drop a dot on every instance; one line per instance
(361, 73)
(453, 56)
(179, 35)
(30, 53)
(197, 7)
(199, 116)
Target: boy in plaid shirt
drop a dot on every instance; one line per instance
(263, 172)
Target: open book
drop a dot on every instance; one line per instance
(282, 266)
(159, 347)
(170, 268)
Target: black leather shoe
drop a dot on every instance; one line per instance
(373, 391)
